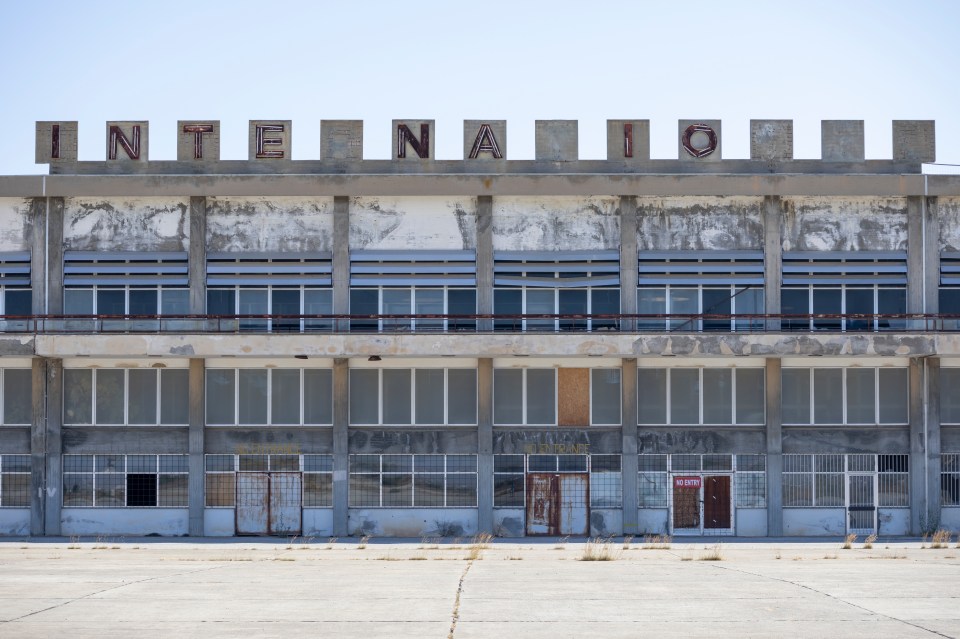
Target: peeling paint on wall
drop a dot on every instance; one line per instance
(555, 223)
(14, 224)
(134, 224)
(948, 212)
(699, 223)
(844, 224)
(269, 224)
(428, 223)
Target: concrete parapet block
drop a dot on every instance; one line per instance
(413, 139)
(484, 140)
(270, 139)
(556, 140)
(699, 141)
(341, 139)
(56, 142)
(771, 139)
(914, 140)
(198, 140)
(841, 141)
(128, 141)
(628, 141)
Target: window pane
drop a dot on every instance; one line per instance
(894, 390)
(750, 396)
(111, 302)
(429, 301)
(317, 490)
(143, 302)
(717, 301)
(253, 302)
(78, 301)
(396, 396)
(285, 396)
(317, 302)
(109, 396)
(572, 302)
(318, 396)
(285, 302)
(861, 395)
(396, 302)
(221, 301)
(827, 396)
(717, 396)
(175, 301)
(18, 301)
(748, 301)
(462, 489)
(142, 396)
(462, 396)
(508, 490)
(507, 396)
(651, 301)
(77, 489)
(795, 383)
(683, 301)
(174, 396)
(462, 302)
(652, 395)
(364, 301)
(17, 396)
(684, 396)
(364, 396)
(860, 302)
(77, 396)
(221, 394)
(253, 397)
(507, 302)
(428, 489)
(605, 396)
(430, 392)
(541, 396)
(828, 302)
(540, 301)
(795, 301)
(949, 402)
(397, 489)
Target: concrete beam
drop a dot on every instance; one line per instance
(628, 432)
(53, 447)
(38, 449)
(197, 259)
(195, 483)
(54, 262)
(485, 521)
(341, 443)
(774, 449)
(628, 259)
(341, 257)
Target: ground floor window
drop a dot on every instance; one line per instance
(509, 477)
(14, 481)
(220, 481)
(831, 480)
(950, 479)
(426, 481)
(122, 481)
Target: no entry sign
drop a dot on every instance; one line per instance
(686, 482)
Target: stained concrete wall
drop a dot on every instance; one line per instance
(812, 522)
(14, 522)
(699, 223)
(317, 521)
(950, 518)
(703, 440)
(844, 224)
(846, 439)
(564, 441)
(147, 440)
(412, 522)
(751, 522)
(228, 440)
(893, 521)
(15, 227)
(653, 521)
(267, 224)
(15, 441)
(124, 521)
(605, 522)
(555, 223)
(407, 223)
(219, 522)
(948, 213)
(409, 441)
(126, 224)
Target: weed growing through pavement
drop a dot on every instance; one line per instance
(848, 541)
(562, 543)
(656, 542)
(479, 543)
(868, 542)
(713, 553)
(598, 549)
(627, 540)
(331, 542)
(363, 542)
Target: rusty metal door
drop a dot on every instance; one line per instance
(716, 502)
(558, 504)
(286, 508)
(253, 503)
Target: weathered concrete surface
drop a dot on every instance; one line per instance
(771, 139)
(15, 224)
(126, 224)
(418, 589)
(555, 223)
(263, 224)
(298, 440)
(564, 441)
(413, 223)
(15, 440)
(699, 223)
(150, 440)
(409, 440)
(883, 439)
(706, 440)
(413, 522)
(844, 224)
(124, 521)
(948, 215)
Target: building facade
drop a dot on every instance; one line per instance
(419, 347)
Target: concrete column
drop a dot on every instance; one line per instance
(485, 445)
(485, 260)
(931, 257)
(38, 254)
(197, 259)
(53, 448)
(932, 410)
(628, 261)
(915, 254)
(772, 257)
(774, 449)
(196, 481)
(628, 430)
(54, 261)
(341, 459)
(918, 449)
(341, 259)
(38, 449)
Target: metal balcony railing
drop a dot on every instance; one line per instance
(478, 323)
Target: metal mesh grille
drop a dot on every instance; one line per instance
(606, 484)
(508, 481)
(950, 479)
(14, 481)
(125, 481)
(893, 480)
(386, 481)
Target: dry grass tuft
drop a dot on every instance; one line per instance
(868, 542)
(627, 540)
(598, 550)
(363, 542)
(562, 543)
(480, 543)
(713, 553)
(848, 541)
(656, 542)
(940, 539)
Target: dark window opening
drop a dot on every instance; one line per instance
(141, 489)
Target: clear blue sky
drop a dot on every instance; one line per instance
(520, 61)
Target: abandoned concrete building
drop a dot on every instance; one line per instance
(414, 346)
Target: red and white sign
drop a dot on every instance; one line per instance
(686, 482)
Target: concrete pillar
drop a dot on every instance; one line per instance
(774, 449)
(628, 430)
(38, 448)
(918, 449)
(54, 231)
(38, 254)
(341, 259)
(932, 426)
(197, 256)
(53, 447)
(931, 256)
(196, 481)
(485, 521)
(485, 260)
(628, 261)
(915, 254)
(341, 458)
(772, 258)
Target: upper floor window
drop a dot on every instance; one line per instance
(16, 297)
(275, 396)
(852, 395)
(692, 396)
(134, 396)
(404, 396)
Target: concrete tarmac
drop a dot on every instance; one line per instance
(450, 588)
